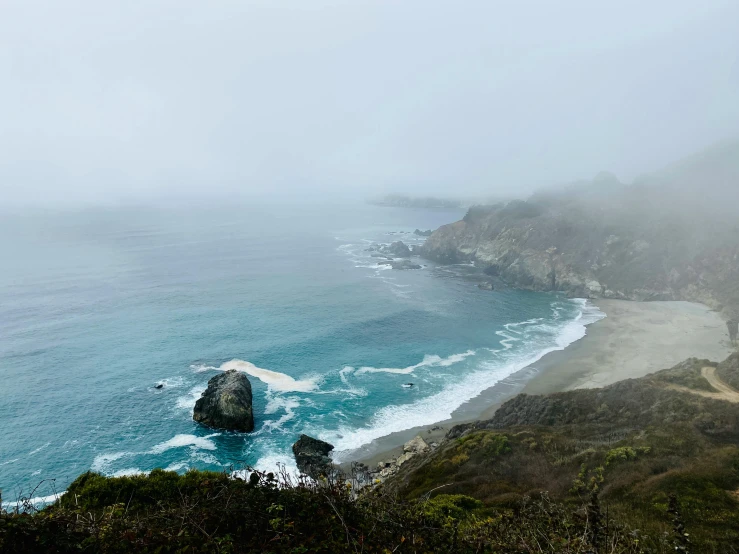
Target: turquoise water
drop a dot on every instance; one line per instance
(97, 307)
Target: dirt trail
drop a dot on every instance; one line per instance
(725, 392)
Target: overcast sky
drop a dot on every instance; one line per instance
(133, 100)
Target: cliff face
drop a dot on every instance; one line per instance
(605, 239)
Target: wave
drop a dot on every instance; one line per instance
(101, 463)
(275, 461)
(274, 404)
(179, 441)
(187, 402)
(273, 379)
(350, 389)
(440, 406)
(429, 360)
(35, 501)
(39, 449)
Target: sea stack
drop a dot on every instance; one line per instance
(312, 456)
(226, 403)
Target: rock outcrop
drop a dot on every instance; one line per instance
(226, 403)
(423, 233)
(312, 456)
(411, 449)
(602, 239)
(398, 249)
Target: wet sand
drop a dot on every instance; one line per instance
(633, 340)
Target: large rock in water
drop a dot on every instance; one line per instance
(226, 403)
(398, 249)
(312, 456)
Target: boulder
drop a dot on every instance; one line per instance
(226, 403)
(415, 445)
(398, 249)
(312, 456)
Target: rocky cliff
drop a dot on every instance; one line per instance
(602, 238)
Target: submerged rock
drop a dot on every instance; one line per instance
(226, 403)
(312, 456)
(401, 264)
(486, 286)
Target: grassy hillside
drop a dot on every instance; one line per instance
(639, 441)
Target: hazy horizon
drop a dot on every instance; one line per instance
(136, 102)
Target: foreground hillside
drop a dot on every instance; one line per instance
(629, 468)
(670, 236)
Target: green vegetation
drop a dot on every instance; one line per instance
(687, 374)
(211, 512)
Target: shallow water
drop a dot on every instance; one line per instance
(97, 307)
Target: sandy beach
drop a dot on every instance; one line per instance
(633, 340)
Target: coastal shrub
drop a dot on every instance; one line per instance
(624, 453)
(483, 443)
(273, 514)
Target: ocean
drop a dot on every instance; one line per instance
(100, 305)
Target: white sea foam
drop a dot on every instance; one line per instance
(274, 461)
(205, 457)
(180, 441)
(176, 466)
(8, 462)
(350, 388)
(428, 361)
(39, 449)
(440, 406)
(36, 501)
(274, 404)
(273, 379)
(102, 462)
(172, 382)
(187, 402)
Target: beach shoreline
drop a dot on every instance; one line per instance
(633, 340)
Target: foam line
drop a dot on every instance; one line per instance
(428, 361)
(440, 406)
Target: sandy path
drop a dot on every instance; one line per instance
(725, 392)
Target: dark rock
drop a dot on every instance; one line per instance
(159, 386)
(485, 286)
(226, 403)
(400, 264)
(404, 264)
(423, 233)
(312, 456)
(398, 249)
